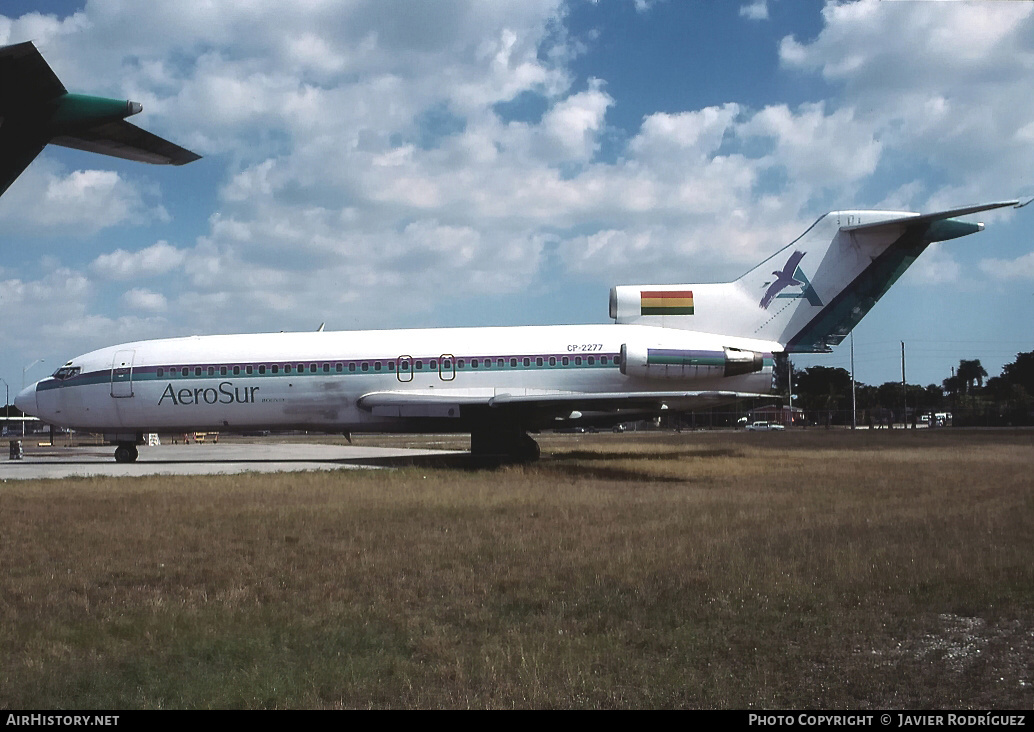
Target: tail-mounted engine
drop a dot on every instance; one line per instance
(687, 365)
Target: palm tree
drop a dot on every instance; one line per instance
(971, 372)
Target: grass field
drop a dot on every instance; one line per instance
(797, 570)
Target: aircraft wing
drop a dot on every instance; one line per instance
(544, 405)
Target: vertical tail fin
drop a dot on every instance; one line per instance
(812, 292)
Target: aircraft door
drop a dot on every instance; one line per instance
(446, 367)
(122, 374)
(404, 368)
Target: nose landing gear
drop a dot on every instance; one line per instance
(126, 452)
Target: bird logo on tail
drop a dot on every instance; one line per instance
(786, 277)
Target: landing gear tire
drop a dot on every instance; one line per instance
(126, 453)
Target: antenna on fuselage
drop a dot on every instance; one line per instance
(320, 329)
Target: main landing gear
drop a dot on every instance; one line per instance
(506, 442)
(126, 452)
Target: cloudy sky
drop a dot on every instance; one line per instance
(379, 163)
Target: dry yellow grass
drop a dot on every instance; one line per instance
(818, 569)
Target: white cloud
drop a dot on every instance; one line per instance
(685, 136)
(140, 299)
(815, 148)
(942, 83)
(576, 122)
(80, 203)
(1021, 268)
(757, 10)
(159, 258)
(935, 267)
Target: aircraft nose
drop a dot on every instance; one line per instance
(26, 401)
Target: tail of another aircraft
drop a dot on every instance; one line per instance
(811, 293)
(37, 110)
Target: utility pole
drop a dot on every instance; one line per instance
(904, 389)
(789, 386)
(854, 403)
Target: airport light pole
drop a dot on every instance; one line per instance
(7, 403)
(38, 360)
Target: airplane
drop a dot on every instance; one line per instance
(675, 347)
(37, 110)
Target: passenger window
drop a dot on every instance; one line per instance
(351, 367)
(248, 370)
(366, 366)
(211, 370)
(287, 368)
(377, 366)
(236, 370)
(262, 369)
(565, 361)
(527, 362)
(552, 360)
(161, 373)
(275, 369)
(222, 371)
(538, 361)
(577, 360)
(185, 371)
(592, 360)
(513, 363)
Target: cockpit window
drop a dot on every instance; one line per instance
(67, 372)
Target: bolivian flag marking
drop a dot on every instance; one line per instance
(666, 302)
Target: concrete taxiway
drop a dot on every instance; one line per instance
(217, 459)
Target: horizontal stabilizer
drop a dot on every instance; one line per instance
(124, 140)
(914, 219)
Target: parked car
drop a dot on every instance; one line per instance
(764, 426)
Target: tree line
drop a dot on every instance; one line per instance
(824, 393)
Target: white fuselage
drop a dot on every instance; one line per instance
(319, 380)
